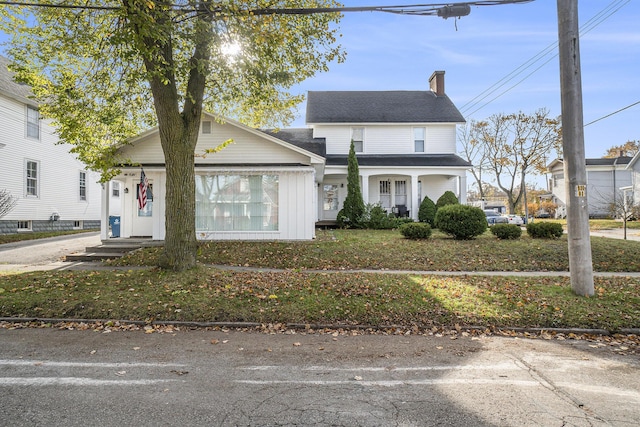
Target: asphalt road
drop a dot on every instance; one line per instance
(213, 378)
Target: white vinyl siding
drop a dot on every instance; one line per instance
(390, 139)
(56, 183)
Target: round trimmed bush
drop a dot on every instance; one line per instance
(461, 221)
(416, 230)
(544, 230)
(427, 211)
(447, 198)
(506, 231)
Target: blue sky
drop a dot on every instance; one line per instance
(391, 52)
(395, 52)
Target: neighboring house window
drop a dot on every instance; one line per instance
(385, 194)
(31, 178)
(418, 140)
(24, 225)
(401, 193)
(115, 189)
(557, 177)
(206, 126)
(33, 122)
(77, 225)
(83, 185)
(237, 202)
(357, 136)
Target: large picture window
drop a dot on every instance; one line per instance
(236, 202)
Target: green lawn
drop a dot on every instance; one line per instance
(10, 238)
(345, 298)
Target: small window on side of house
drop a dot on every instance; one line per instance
(24, 225)
(206, 127)
(115, 189)
(357, 136)
(33, 122)
(32, 177)
(77, 225)
(82, 187)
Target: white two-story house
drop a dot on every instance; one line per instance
(277, 185)
(54, 190)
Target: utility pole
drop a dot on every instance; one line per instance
(580, 262)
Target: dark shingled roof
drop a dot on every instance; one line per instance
(624, 160)
(381, 107)
(11, 88)
(300, 137)
(432, 160)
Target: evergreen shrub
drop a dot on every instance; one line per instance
(427, 211)
(544, 230)
(416, 230)
(461, 221)
(506, 231)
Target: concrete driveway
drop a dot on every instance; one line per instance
(41, 252)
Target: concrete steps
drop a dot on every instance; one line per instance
(110, 249)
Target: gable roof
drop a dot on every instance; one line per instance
(302, 138)
(10, 88)
(380, 107)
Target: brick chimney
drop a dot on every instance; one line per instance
(436, 83)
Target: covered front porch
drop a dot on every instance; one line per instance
(398, 192)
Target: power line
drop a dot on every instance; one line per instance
(611, 114)
(444, 10)
(551, 49)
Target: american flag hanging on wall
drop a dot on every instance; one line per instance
(142, 190)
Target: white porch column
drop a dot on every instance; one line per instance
(104, 210)
(415, 203)
(365, 187)
(462, 189)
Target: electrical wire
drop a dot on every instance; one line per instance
(611, 114)
(469, 108)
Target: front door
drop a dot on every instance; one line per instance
(142, 225)
(330, 202)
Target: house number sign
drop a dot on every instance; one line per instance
(581, 190)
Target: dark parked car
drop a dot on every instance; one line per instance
(494, 217)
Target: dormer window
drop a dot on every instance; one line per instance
(418, 140)
(357, 136)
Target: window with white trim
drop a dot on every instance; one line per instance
(24, 225)
(418, 140)
(385, 194)
(33, 122)
(82, 186)
(357, 136)
(206, 127)
(401, 193)
(237, 202)
(115, 189)
(77, 225)
(32, 176)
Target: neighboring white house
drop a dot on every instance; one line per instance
(634, 186)
(276, 185)
(55, 191)
(605, 178)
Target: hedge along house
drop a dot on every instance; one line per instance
(275, 185)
